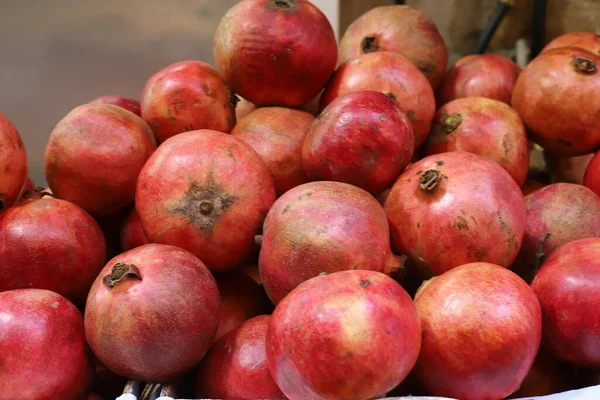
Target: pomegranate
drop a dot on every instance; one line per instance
(277, 134)
(275, 52)
(123, 102)
(348, 335)
(585, 40)
(206, 192)
(482, 327)
(547, 376)
(567, 169)
(592, 174)
(186, 96)
(43, 353)
(394, 75)
(453, 208)
(322, 227)
(52, 244)
(236, 366)
(531, 186)
(152, 313)
(556, 97)
(94, 156)
(470, 77)
(132, 233)
(13, 163)
(399, 29)
(485, 127)
(243, 108)
(362, 138)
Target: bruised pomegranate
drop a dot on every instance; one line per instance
(206, 192)
(592, 174)
(132, 233)
(556, 96)
(392, 74)
(277, 134)
(471, 76)
(243, 108)
(123, 102)
(482, 327)
(322, 227)
(454, 208)
(362, 138)
(187, 96)
(51, 244)
(43, 353)
(13, 163)
(348, 335)
(152, 313)
(585, 40)
(399, 29)
(275, 52)
(567, 169)
(485, 127)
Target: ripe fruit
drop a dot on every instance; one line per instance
(348, 335)
(13, 163)
(585, 40)
(132, 233)
(591, 178)
(208, 193)
(123, 102)
(362, 138)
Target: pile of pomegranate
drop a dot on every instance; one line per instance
(312, 220)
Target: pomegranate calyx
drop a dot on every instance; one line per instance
(368, 45)
(584, 65)
(451, 122)
(429, 179)
(120, 271)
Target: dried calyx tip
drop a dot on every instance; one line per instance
(284, 4)
(451, 122)
(120, 271)
(206, 207)
(368, 45)
(429, 179)
(584, 65)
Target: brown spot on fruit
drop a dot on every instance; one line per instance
(364, 283)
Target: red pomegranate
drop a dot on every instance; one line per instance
(94, 156)
(362, 138)
(485, 127)
(568, 288)
(187, 96)
(585, 40)
(322, 227)
(556, 96)
(567, 169)
(243, 108)
(394, 75)
(13, 163)
(43, 353)
(206, 192)
(236, 366)
(277, 134)
(470, 77)
(482, 328)
(348, 335)
(453, 208)
(531, 186)
(547, 376)
(592, 174)
(132, 233)
(152, 313)
(275, 52)
(51, 244)
(123, 102)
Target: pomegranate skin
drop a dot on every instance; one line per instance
(94, 156)
(132, 232)
(591, 179)
(585, 40)
(13, 163)
(51, 244)
(322, 227)
(556, 96)
(361, 138)
(473, 211)
(208, 193)
(348, 335)
(392, 74)
(277, 135)
(187, 96)
(156, 324)
(399, 29)
(128, 104)
(43, 353)
(472, 350)
(226, 373)
(470, 77)
(277, 53)
(485, 127)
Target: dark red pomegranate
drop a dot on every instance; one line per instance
(152, 313)
(556, 96)
(277, 135)
(567, 169)
(51, 244)
(531, 186)
(206, 192)
(322, 227)
(392, 74)
(13, 163)
(187, 96)
(275, 52)
(592, 174)
(362, 138)
(43, 353)
(470, 77)
(236, 366)
(585, 40)
(123, 102)
(482, 327)
(132, 233)
(453, 208)
(242, 108)
(94, 156)
(485, 127)
(547, 376)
